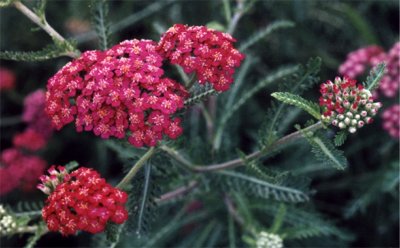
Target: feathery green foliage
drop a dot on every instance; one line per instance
(340, 138)
(258, 187)
(261, 34)
(298, 101)
(325, 151)
(375, 77)
(5, 3)
(49, 52)
(99, 10)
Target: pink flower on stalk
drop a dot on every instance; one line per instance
(347, 105)
(116, 91)
(208, 53)
(391, 120)
(19, 170)
(81, 200)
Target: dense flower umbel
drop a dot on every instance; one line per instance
(115, 91)
(347, 105)
(208, 53)
(359, 61)
(7, 79)
(81, 200)
(34, 114)
(19, 170)
(268, 240)
(391, 120)
(7, 222)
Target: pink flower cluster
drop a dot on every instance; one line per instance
(391, 120)
(357, 62)
(117, 90)
(34, 114)
(347, 105)
(208, 53)
(81, 200)
(19, 170)
(7, 79)
(29, 140)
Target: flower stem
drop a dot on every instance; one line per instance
(240, 161)
(124, 182)
(41, 22)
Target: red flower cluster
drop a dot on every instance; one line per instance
(81, 200)
(207, 52)
(7, 79)
(358, 61)
(346, 104)
(34, 114)
(30, 140)
(19, 170)
(117, 90)
(391, 120)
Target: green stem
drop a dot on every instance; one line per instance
(241, 161)
(128, 177)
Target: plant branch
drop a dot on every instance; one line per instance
(128, 177)
(41, 22)
(236, 17)
(241, 161)
(232, 210)
(178, 192)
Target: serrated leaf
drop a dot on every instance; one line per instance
(340, 138)
(260, 34)
(296, 100)
(99, 10)
(375, 76)
(49, 52)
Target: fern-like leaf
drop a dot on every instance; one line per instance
(99, 13)
(49, 52)
(340, 138)
(260, 188)
(260, 34)
(375, 77)
(296, 100)
(325, 151)
(200, 97)
(5, 3)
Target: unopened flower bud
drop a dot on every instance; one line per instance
(352, 129)
(353, 122)
(341, 125)
(347, 121)
(360, 124)
(357, 117)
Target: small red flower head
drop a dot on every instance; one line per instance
(30, 140)
(208, 53)
(116, 91)
(80, 200)
(347, 105)
(7, 79)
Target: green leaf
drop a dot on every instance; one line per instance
(325, 151)
(200, 97)
(375, 77)
(99, 10)
(71, 166)
(296, 100)
(5, 3)
(49, 52)
(260, 34)
(260, 188)
(340, 138)
(144, 199)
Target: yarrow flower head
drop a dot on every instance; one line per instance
(34, 114)
(19, 170)
(7, 79)
(30, 140)
(347, 105)
(81, 200)
(116, 91)
(268, 240)
(391, 120)
(208, 53)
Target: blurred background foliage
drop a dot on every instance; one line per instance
(362, 201)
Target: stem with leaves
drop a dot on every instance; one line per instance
(128, 177)
(42, 23)
(241, 161)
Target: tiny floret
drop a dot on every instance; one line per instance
(268, 240)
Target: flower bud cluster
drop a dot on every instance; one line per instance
(81, 200)
(7, 222)
(268, 240)
(208, 53)
(19, 170)
(359, 61)
(347, 105)
(391, 120)
(115, 91)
